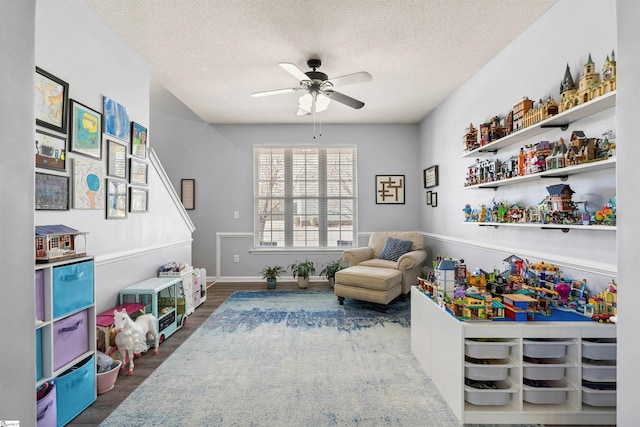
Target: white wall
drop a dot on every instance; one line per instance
(17, 124)
(220, 158)
(94, 64)
(533, 66)
(629, 231)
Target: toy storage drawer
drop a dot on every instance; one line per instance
(46, 406)
(70, 338)
(487, 349)
(487, 369)
(599, 349)
(72, 287)
(497, 393)
(553, 392)
(598, 397)
(554, 349)
(39, 295)
(75, 389)
(544, 369)
(599, 370)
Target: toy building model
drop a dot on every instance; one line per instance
(544, 109)
(590, 86)
(470, 138)
(58, 242)
(519, 111)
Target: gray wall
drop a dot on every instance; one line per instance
(220, 158)
(17, 124)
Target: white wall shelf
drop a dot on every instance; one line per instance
(561, 173)
(563, 227)
(438, 342)
(561, 120)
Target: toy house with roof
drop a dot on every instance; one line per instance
(58, 242)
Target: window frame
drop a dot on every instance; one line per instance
(322, 199)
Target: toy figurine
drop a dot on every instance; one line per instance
(131, 337)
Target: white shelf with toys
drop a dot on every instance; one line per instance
(561, 120)
(535, 372)
(561, 173)
(563, 227)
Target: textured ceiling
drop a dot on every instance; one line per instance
(212, 54)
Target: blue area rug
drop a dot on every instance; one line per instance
(292, 358)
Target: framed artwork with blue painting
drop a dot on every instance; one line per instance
(116, 119)
(85, 136)
(138, 140)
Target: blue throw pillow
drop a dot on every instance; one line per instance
(395, 248)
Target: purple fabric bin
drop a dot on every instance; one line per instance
(70, 338)
(39, 295)
(46, 407)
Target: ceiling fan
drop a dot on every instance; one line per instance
(318, 88)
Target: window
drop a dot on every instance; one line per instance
(304, 197)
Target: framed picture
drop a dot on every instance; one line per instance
(434, 199)
(188, 193)
(116, 119)
(88, 184)
(52, 192)
(389, 189)
(431, 176)
(138, 172)
(86, 131)
(50, 151)
(116, 199)
(138, 200)
(52, 99)
(116, 159)
(138, 140)
(429, 198)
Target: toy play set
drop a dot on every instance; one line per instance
(523, 291)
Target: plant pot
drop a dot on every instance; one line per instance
(303, 282)
(107, 380)
(271, 283)
(332, 281)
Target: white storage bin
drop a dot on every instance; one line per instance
(553, 393)
(595, 397)
(487, 349)
(499, 396)
(487, 369)
(544, 369)
(547, 349)
(599, 370)
(599, 349)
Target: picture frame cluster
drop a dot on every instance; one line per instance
(84, 158)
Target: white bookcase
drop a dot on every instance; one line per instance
(65, 335)
(440, 342)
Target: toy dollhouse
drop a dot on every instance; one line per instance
(58, 242)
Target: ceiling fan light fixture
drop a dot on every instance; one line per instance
(306, 102)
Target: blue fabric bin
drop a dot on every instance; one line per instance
(75, 390)
(72, 287)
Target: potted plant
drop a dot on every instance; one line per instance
(330, 269)
(302, 270)
(271, 274)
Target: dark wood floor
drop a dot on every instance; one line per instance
(217, 293)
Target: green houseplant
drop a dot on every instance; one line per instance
(302, 270)
(330, 269)
(271, 274)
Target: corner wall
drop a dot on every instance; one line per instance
(76, 46)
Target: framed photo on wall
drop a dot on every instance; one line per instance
(138, 140)
(116, 199)
(52, 100)
(116, 119)
(86, 131)
(188, 193)
(389, 189)
(52, 192)
(50, 151)
(116, 159)
(431, 177)
(138, 200)
(138, 172)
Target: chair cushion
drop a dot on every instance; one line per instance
(394, 249)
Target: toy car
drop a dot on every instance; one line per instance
(601, 317)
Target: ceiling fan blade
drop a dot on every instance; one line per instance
(349, 79)
(302, 112)
(275, 92)
(294, 71)
(344, 99)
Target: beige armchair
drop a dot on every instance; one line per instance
(370, 278)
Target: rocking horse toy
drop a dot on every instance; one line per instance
(131, 337)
